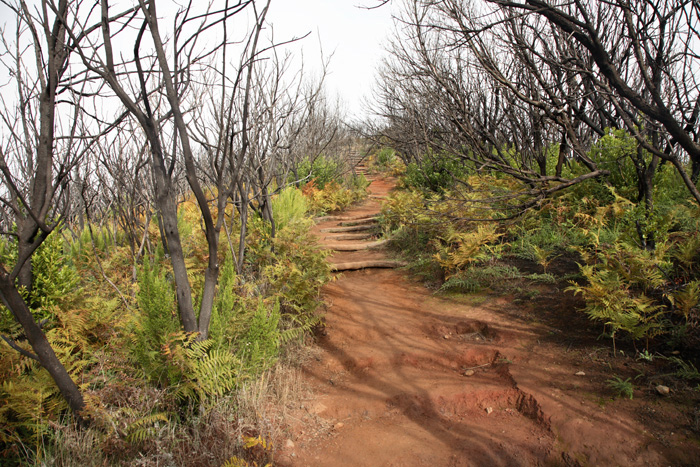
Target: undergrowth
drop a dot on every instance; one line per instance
(635, 268)
(156, 395)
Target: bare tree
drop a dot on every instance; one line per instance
(159, 112)
(482, 79)
(41, 142)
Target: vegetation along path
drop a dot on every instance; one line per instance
(406, 377)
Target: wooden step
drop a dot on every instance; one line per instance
(368, 220)
(351, 236)
(356, 246)
(345, 218)
(375, 263)
(355, 228)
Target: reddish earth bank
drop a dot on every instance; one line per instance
(408, 378)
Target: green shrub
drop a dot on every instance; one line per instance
(322, 170)
(621, 387)
(258, 348)
(620, 279)
(358, 184)
(478, 277)
(56, 283)
(222, 328)
(155, 322)
(458, 249)
(298, 269)
(8, 255)
(289, 205)
(332, 197)
(197, 372)
(385, 156)
(436, 173)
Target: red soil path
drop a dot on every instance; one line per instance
(408, 378)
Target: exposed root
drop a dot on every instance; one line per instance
(366, 220)
(378, 263)
(354, 228)
(341, 218)
(350, 236)
(357, 246)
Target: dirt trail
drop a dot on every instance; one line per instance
(407, 378)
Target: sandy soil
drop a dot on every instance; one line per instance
(408, 378)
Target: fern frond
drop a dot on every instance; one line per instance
(302, 328)
(146, 427)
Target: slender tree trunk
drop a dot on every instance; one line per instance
(211, 276)
(563, 150)
(168, 209)
(27, 231)
(244, 226)
(165, 201)
(44, 353)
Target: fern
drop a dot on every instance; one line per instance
(300, 327)
(154, 324)
(224, 305)
(685, 370)
(610, 300)
(622, 387)
(686, 252)
(298, 269)
(55, 281)
(545, 278)
(460, 249)
(687, 299)
(250, 443)
(289, 205)
(146, 427)
(477, 277)
(259, 347)
(29, 403)
(460, 283)
(197, 372)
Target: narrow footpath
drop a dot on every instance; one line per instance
(408, 378)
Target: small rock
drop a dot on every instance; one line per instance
(445, 336)
(663, 390)
(318, 408)
(489, 410)
(469, 373)
(580, 373)
(289, 444)
(339, 425)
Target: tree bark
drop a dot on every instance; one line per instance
(44, 353)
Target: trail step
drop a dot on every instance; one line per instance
(367, 220)
(344, 218)
(351, 236)
(357, 246)
(355, 228)
(377, 263)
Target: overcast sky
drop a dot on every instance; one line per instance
(354, 35)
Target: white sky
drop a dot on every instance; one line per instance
(354, 35)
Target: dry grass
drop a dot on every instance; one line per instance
(260, 407)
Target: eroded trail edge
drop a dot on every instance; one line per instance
(408, 378)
